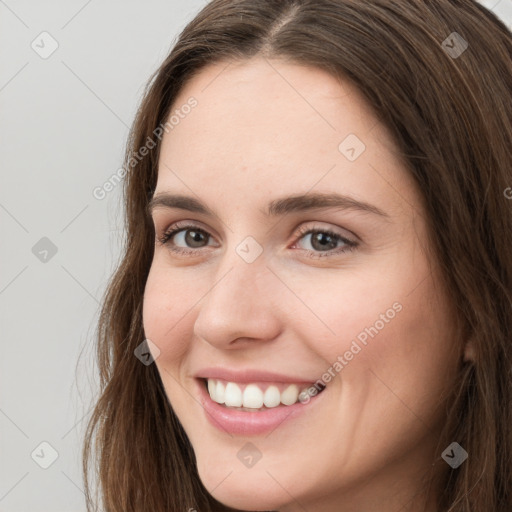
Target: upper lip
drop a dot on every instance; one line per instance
(249, 375)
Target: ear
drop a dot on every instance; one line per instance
(469, 351)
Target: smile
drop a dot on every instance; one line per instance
(254, 397)
(259, 407)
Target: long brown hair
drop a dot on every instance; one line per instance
(451, 117)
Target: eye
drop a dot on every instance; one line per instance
(325, 240)
(184, 233)
(189, 239)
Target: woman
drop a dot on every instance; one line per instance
(313, 307)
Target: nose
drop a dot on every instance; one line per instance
(241, 305)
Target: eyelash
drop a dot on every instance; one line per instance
(302, 231)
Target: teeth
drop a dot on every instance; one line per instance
(211, 388)
(233, 395)
(219, 393)
(272, 397)
(252, 396)
(289, 395)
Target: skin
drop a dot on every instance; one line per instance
(265, 129)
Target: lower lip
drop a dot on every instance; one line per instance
(236, 422)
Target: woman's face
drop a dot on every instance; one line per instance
(272, 292)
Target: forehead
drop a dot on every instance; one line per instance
(273, 97)
(262, 126)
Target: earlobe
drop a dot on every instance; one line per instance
(469, 351)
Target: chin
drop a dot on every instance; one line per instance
(244, 489)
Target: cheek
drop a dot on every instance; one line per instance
(394, 383)
(347, 311)
(388, 344)
(165, 307)
(420, 344)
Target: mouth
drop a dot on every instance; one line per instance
(250, 401)
(256, 408)
(259, 396)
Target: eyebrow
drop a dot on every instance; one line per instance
(276, 207)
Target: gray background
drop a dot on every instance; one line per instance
(63, 125)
